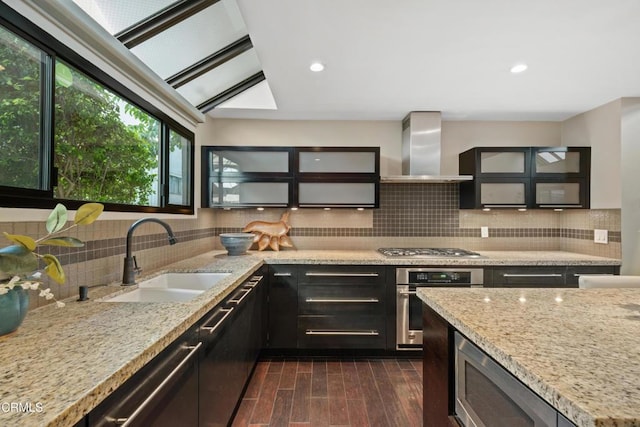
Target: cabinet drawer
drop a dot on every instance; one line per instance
(341, 331)
(341, 299)
(574, 272)
(341, 275)
(535, 277)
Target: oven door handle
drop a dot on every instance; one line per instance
(406, 292)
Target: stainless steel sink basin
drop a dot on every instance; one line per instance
(196, 281)
(155, 295)
(170, 287)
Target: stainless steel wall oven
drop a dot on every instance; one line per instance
(409, 306)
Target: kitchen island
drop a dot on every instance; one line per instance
(578, 349)
(61, 363)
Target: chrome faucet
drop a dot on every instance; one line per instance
(130, 264)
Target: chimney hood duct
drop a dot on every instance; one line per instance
(421, 150)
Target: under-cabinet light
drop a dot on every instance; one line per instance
(260, 208)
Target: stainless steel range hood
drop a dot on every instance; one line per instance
(421, 151)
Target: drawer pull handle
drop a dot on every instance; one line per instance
(312, 274)
(167, 382)
(368, 333)
(560, 206)
(244, 292)
(281, 274)
(212, 329)
(341, 300)
(504, 206)
(532, 275)
(592, 274)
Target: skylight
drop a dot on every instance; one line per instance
(201, 48)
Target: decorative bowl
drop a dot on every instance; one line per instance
(236, 243)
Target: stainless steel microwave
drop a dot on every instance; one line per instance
(487, 395)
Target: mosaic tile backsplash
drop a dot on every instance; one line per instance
(409, 215)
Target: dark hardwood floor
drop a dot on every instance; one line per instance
(346, 392)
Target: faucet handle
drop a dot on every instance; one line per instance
(136, 269)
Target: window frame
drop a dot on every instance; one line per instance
(16, 197)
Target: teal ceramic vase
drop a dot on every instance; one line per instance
(13, 309)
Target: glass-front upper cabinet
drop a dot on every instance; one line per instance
(561, 162)
(495, 162)
(247, 176)
(561, 193)
(483, 193)
(337, 176)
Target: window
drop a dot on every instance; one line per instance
(69, 132)
(21, 81)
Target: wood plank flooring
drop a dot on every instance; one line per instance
(331, 392)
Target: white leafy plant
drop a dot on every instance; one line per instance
(19, 261)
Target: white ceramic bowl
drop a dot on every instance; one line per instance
(236, 243)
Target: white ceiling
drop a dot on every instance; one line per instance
(385, 58)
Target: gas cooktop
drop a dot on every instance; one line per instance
(428, 253)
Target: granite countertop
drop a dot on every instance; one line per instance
(62, 362)
(579, 349)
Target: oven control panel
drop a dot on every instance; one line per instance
(436, 276)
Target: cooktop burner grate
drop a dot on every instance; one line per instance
(428, 253)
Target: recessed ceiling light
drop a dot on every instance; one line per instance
(316, 67)
(518, 68)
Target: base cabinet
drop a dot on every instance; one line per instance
(232, 336)
(560, 276)
(163, 393)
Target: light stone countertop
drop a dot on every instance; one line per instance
(579, 349)
(61, 363)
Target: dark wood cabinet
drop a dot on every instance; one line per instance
(163, 393)
(561, 276)
(232, 335)
(234, 177)
(337, 176)
(526, 177)
(283, 306)
(341, 307)
(240, 176)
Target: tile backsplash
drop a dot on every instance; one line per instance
(409, 215)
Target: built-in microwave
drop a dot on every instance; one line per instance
(487, 395)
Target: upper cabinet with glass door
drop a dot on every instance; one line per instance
(496, 162)
(560, 177)
(525, 177)
(337, 176)
(247, 176)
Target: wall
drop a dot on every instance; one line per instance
(428, 215)
(600, 129)
(630, 176)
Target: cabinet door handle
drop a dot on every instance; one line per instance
(341, 300)
(281, 274)
(212, 329)
(312, 274)
(165, 383)
(342, 332)
(532, 275)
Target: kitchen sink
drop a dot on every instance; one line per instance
(155, 295)
(170, 287)
(195, 281)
